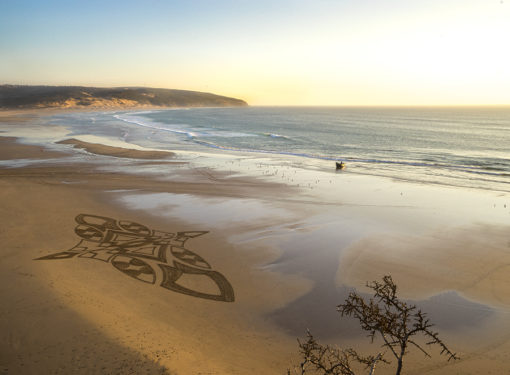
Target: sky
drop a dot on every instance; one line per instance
(320, 52)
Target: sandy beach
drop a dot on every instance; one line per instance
(225, 262)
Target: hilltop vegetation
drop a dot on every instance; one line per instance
(14, 96)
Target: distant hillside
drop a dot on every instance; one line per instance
(13, 96)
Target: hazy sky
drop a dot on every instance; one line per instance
(320, 52)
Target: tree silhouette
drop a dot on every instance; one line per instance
(383, 315)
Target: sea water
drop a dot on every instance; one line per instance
(468, 147)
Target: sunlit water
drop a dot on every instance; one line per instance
(467, 147)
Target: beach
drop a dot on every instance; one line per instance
(257, 251)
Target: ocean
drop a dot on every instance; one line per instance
(467, 147)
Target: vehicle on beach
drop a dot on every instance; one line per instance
(340, 165)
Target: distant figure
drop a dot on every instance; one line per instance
(340, 165)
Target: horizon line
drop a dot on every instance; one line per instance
(360, 105)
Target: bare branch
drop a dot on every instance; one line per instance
(384, 315)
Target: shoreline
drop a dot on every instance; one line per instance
(272, 241)
(308, 161)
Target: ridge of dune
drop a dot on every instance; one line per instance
(79, 97)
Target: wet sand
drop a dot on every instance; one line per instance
(290, 256)
(84, 316)
(118, 152)
(9, 149)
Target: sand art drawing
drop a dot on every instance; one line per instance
(144, 254)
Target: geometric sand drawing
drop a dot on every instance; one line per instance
(146, 255)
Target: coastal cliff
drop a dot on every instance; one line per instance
(20, 97)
